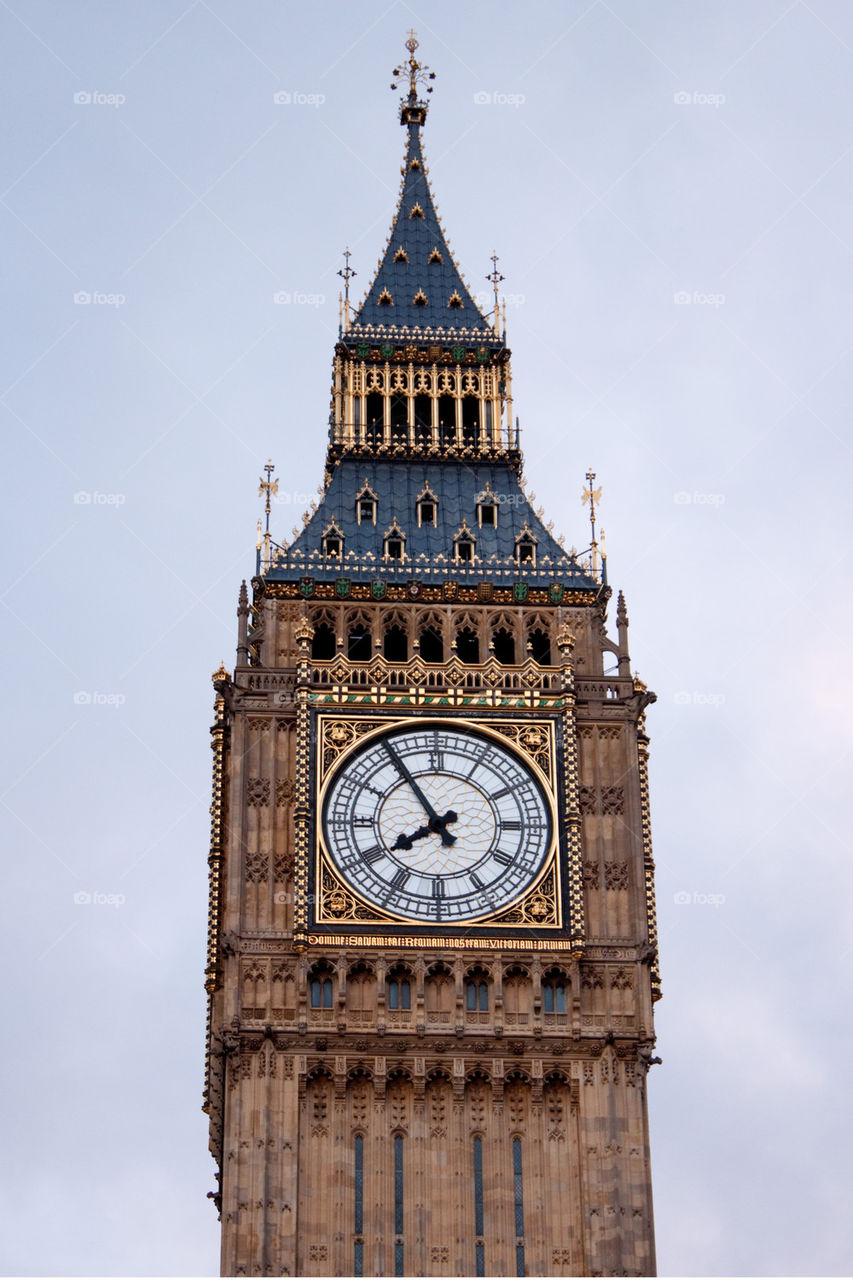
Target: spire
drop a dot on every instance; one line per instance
(418, 285)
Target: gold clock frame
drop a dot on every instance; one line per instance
(533, 741)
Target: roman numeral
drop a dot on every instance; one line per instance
(367, 822)
(503, 858)
(398, 880)
(372, 855)
(511, 826)
(438, 888)
(499, 795)
(475, 880)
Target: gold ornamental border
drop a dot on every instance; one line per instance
(533, 740)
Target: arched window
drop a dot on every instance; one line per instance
(427, 505)
(396, 644)
(554, 993)
(540, 647)
(431, 645)
(366, 507)
(477, 993)
(423, 419)
(323, 645)
(375, 417)
(320, 987)
(447, 420)
(468, 645)
(463, 547)
(503, 643)
(394, 543)
(333, 541)
(399, 991)
(525, 547)
(470, 420)
(359, 648)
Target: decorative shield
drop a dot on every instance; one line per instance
(362, 351)
(378, 589)
(306, 586)
(555, 592)
(342, 587)
(458, 353)
(520, 591)
(386, 351)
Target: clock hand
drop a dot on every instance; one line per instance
(435, 825)
(402, 769)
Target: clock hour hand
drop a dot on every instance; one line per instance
(436, 824)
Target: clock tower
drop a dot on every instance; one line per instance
(432, 956)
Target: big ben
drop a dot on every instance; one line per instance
(432, 955)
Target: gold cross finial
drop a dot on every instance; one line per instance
(591, 496)
(268, 487)
(495, 277)
(417, 72)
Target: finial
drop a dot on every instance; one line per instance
(270, 488)
(412, 110)
(495, 277)
(592, 496)
(346, 274)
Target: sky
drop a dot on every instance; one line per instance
(669, 188)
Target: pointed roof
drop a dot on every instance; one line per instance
(417, 285)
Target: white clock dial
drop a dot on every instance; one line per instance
(437, 823)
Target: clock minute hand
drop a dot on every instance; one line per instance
(436, 823)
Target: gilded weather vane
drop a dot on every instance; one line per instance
(268, 487)
(591, 496)
(346, 273)
(494, 277)
(417, 72)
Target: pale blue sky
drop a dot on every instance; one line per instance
(669, 188)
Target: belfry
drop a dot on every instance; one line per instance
(432, 954)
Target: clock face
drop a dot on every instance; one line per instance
(437, 823)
